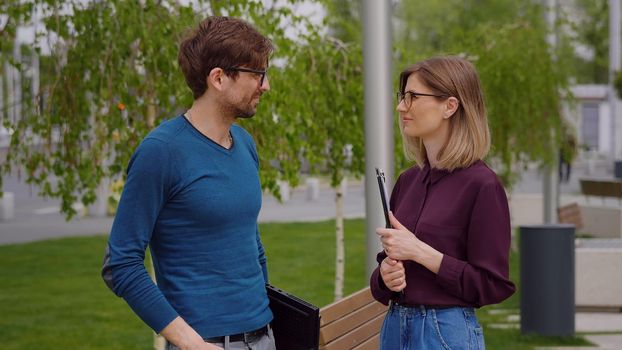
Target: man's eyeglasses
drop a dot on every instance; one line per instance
(407, 97)
(262, 73)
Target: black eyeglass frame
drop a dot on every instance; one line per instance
(401, 96)
(263, 73)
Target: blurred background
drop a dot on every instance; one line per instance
(82, 82)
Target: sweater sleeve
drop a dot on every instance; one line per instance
(144, 194)
(262, 257)
(484, 278)
(262, 253)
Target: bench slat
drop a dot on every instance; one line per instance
(351, 321)
(570, 214)
(372, 343)
(338, 309)
(603, 188)
(357, 336)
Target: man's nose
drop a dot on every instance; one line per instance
(266, 84)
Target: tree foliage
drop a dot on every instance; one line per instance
(592, 31)
(114, 76)
(327, 105)
(111, 56)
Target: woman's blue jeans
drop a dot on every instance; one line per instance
(422, 328)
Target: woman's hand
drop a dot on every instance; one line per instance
(398, 242)
(393, 274)
(401, 244)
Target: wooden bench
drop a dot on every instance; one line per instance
(602, 187)
(352, 323)
(570, 214)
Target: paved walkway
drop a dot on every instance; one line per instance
(40, 219)
(591, 325)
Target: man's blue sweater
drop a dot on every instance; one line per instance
(195, 204)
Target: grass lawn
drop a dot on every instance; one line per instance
(52, 297)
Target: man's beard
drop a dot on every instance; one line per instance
(247, 111)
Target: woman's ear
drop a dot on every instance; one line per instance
(451, 106)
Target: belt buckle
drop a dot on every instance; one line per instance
(254, 335)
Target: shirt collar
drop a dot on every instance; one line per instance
(433, 175)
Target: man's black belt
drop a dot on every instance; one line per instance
(246, 336)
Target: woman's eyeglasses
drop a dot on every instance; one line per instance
(407, 97)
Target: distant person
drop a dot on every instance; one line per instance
(448, 250)
(567, 154)
(192, 195)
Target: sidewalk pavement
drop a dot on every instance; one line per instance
(603, 329)
(594, 325)
(37, 218)
(31, 224)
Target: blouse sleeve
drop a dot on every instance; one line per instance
(484, 278)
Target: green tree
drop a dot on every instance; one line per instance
(592, 31)
(333, 86)
(330, 109)
(112, 55)
(114, 77)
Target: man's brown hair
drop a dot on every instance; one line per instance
(221, 42)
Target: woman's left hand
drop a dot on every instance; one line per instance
(398, 242)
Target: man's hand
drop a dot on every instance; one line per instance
(185, 337)
(205, 346)
(393, 274)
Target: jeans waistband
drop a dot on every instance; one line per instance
(420, 306)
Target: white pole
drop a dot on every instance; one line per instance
(10, 97)
(34, 84)
(3, 105)
(614, 66)
(550, 182)
(378, 115)
(17, 83)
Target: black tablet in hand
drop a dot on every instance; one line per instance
(383, 195)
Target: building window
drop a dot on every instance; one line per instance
(589, 127)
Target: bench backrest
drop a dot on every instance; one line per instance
(352, 323)
(570, 214)
(603, 188)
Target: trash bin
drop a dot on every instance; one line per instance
(547, 277)
(617, 171)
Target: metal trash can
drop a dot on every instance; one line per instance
(547, 279)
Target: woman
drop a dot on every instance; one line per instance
(447, 252)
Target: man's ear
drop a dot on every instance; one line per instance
(215, 78)
(451, 106)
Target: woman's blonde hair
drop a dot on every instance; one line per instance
(469, 136)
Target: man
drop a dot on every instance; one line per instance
(193, 195)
